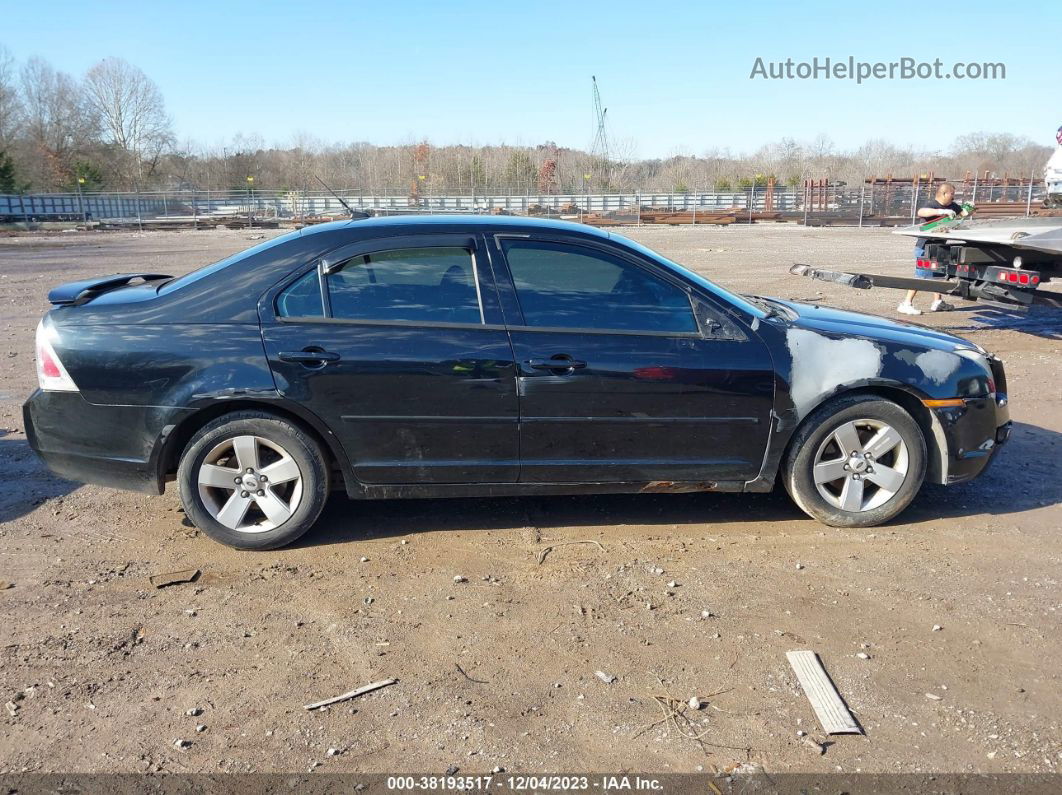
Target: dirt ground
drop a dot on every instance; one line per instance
(941, 630)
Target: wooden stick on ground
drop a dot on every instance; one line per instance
(352, 694)
(461, 671)
(829, 708)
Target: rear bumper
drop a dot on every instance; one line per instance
(112, 446)
(975, 433)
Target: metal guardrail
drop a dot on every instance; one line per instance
(840, 202)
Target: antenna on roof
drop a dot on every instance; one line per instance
(353, 213)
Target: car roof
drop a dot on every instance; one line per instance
(387, 225)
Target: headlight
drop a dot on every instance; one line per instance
(980, 357)
(974, 352)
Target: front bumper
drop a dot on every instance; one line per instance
(974, 433)
(112, 446)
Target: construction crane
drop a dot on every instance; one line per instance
(599, 148)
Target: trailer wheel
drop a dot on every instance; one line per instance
(856, 462)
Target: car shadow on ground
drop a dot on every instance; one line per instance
(27, 482)
(344, 520)
(1025, 476)
(1038, 321)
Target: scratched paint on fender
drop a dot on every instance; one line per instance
(820, 363)
(938, 365)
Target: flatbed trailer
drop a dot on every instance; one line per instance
(1002, 261)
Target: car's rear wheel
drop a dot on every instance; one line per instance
(252, 480)
(857, 462)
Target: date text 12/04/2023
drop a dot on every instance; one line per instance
(524, 783)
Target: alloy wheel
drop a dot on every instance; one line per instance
(861, 465)
(250, 484)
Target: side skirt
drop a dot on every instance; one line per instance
(396, 492)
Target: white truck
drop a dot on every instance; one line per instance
(999, 260)
(1053, 175)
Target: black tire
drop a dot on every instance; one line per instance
(270, 429)
(813, 434)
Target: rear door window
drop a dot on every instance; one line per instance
(426, 285)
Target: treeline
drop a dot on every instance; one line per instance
(109, 130)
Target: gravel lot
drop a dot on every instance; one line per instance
(941, 630)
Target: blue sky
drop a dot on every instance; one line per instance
(674, 79)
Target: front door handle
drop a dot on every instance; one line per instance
(561, 361)
(309, 356)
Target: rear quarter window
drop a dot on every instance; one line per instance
(302, 298)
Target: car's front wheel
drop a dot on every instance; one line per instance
(857, 462)
(252, 480)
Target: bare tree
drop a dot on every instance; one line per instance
(10, 103)
(133, 114)
(115, 127)
(58, 123)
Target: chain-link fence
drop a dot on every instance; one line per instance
(812, 204)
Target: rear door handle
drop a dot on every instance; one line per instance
(559, 362)
(308, 356)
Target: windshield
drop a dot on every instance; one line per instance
(207, 270)
(733, 298)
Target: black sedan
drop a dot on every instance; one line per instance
(457, 356)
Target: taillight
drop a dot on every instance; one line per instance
(1018, 277)
(48, 365)
(51, 375)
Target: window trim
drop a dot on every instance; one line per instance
(686, 335)
(475, 281)
(698, 333)
(322, 285)
(336, 321)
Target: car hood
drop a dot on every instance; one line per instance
(838, 321)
